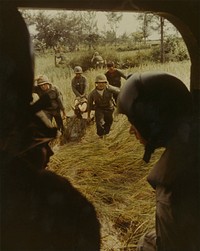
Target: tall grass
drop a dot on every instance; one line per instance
(62, 76)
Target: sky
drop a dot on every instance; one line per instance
(128, 23)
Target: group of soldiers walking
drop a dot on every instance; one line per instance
(102, 99)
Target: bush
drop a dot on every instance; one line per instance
(174, 50)
(82, 59)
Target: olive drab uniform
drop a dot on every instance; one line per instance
(79, 86)
(114, 79)
(97, 60)
(103, 104)
(56, 99)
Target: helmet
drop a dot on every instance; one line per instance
(42, 79)
(155, 103)
(96, 53)
(78, 69)
(101, 79)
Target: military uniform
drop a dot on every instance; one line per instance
(102, 103)
(79, 86)
(114, 79)
(56, 99)
(97, 60)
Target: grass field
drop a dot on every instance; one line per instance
(62, 76)
(110, 172)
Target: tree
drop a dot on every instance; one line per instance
(137, 38)
(64, 28)
(162, 54)
(109, 37)
(113, 20)
(28, 16)
(158, 24)
(145, 19)
(154, 23)
(43, 26)
(89, 28)
(92, 40)
(89, 22)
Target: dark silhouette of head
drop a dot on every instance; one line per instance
(39, 209)
(19, 125)
(16, 58)
(16, 72)
(156, 103)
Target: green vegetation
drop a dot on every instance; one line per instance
(65, 32)
(109, 172)
(61, 76)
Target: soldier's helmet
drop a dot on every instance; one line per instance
(101, 78)
(42, 79)
(96, 53)
(78, 69)
(156, 103)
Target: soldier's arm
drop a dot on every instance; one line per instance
(86, 86)
(90, 103)
(59, 98)
(61, 103)
(113, 89)
(73, 84)
(122, 74)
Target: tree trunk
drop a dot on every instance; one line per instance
(162, 53)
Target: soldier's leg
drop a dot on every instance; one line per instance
(108, 118)
(115, 98)
(99, 122)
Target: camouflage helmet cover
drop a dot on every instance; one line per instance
(78, 69)
(42, 79)
(101, 78)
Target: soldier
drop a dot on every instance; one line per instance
(59, 57)
(101, 100)
(160, 109)
(114, 76)
(79, 87)
(97, 60)
(56, 107)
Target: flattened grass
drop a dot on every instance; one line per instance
(112, 175)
